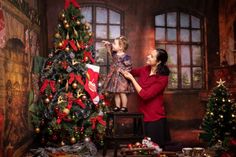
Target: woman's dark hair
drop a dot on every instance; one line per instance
(162, 68)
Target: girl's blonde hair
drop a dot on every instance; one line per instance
(123, 42)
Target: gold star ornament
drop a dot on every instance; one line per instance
(220, 83)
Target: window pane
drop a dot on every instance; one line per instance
(171, 34)
(185, 55)
(196, 36)
(114, 32)
(184, 34)
(197, 77)
(197, 56)
(172, 54)
(160, 33)
(101, 54)
(160, 20)
(98, 46)
(171, 19)
(161, 46)
(87, 12)
(195, 22)
(186, 77)
(114, 17)
(101, 31)
(101, 15)
(173, 78)
(102, 74)
(184, 20)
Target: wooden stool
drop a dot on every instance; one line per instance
(123, 128)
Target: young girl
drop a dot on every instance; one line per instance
(115, 82)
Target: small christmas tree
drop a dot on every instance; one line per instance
(219, 123)
(70, 108)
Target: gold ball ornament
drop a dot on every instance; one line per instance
(66, 111)
(60, 44)
(87, 27)
(67, 49)
(72, 140)
(78, 22)
(90, 34)
(103, 103)
(62, 143)
(65, 21)
(37, 130)
(59, 81)
(74, 85)
(57, 35)
(87, 139)
(63, 15)
(46, 100)
(67, 25)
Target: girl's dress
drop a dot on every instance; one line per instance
(115, 81)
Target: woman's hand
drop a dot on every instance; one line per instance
(126, 74)
(129, 76)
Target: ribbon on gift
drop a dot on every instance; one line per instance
(89, 55)
(72, 44)
(98, 119)
(74, 3)
(73, 77)
(47, 82)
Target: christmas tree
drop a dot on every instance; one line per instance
(70, 109)
(219, 123)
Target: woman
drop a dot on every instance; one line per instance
(152, 81)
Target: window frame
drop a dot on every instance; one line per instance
(94, 24)
(178, 44)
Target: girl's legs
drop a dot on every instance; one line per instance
(124, 100)
(117, 100)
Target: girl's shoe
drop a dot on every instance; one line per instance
(116, 109)
(123, 109)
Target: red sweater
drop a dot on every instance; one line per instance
(151, 95)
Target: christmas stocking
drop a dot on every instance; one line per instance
(92, 82)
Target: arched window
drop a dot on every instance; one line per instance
(107, 24)
(181, 34)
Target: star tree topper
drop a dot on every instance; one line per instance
(220, 83)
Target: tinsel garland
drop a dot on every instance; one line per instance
(86, 149)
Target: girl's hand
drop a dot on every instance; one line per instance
(107, 45)
(126, 74)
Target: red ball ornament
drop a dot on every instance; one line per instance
(84, 97)
(50, 96)
(130, 146)
(56, 109)
(85, 59)
(54, 137)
